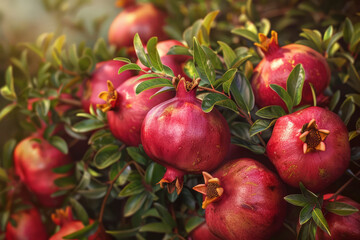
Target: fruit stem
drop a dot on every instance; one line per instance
(344, 186)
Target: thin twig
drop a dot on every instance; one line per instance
(72, 102)
(344, 186)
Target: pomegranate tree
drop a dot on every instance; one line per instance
(28, 226)
(243, 200)
(180, 136)
(309, 146)
(107, 70)
(126, 110)
(34, 160)
(276, 66)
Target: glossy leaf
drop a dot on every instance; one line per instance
(340, 208)
(106, 156)
(348, 30)
(6, 110)
(131, 189)
(203, 63)
(157, 227)
(64, 168)
(85, 232)
(212, 99)
(124, 234)
(87, 125)
(242, 92)
(346, 110)
(297, 200)
(8, 91)
(137, 154)
(154, 173)
(153, 83)
(140, 51)
(283, 95)
(165, 215)
(320, 220)
(153, 54)
(229, 54)
(307, 231)
(310, 196)
(295, 83)
(134, 203)
(270, 112)
(227, 79)
(261, 125)
(334, 100)
(206, 24)
(129, 66)
(305, 214)
(80, 211)
(59, 143)
(246, 34)
(193, 223)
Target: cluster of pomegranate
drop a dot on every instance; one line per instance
(243, 199)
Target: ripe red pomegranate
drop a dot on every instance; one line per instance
(243, 200)
(180, 136)
(128, 109)
(34, 162)
(67, 223)
(28, 226)
(276, 66)
(310, 146)
(107, 70)
(163, 48)
(202, 232)
(341, 227)
(144, 19)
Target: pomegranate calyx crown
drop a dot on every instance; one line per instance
(268, 45)
(171, 186)
(62, 216)
(185, 88)
(211, 189)
(109, 97)
(313, 137)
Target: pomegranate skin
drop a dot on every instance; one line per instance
(144, 19)
(29, 226)
(276, 66)
(252, 204)
(202, 232)
(68, 228)
(180, 136)
(317, 169)
(341, 227)
(107, 70)
(34, 162)
(126, 119)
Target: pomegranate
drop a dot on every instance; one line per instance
(128, 109)
(144, 19)
(341, 227)
(163, 48)
(34, 161)
(67, 223)
(28, 226)
(243, 200)
(276, 66)
(107, 70)
(310, 146)
(202, 232)
(180, 136)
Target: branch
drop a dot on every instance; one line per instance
(344, 186)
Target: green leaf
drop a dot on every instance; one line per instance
(265, 26)
(320, 220)
(116, 168)
(8, 91)
(131, 189)
(227, 79)
(271, 112)
(295, 83)
(328, 33)
(56, 49)
(94, 193)
(240, 61)
(205, 27)
(154, 173)
(122, 59)
(348, 30)
(229, 54)
(153, 54)
(165, 215)
(305, 214)
(340, 208)
(332, 41)
(124, 234)
(137, 155)
(346, 110)
(153, 83)
(307, 231)
(242, 92)
(334, 100)
(106, 156)
(59, 143)
(310, 196)
(85, 232)
(260, 125)
(204, 64)
(158, 227)
(6, 110)
(354, 80)
(179, 50)
(283, 95)
(355, 40)
(63, 169)
(140, 51)
(129, 66)
(65, 181)
(87, 125)
(134, 203)
(213, 57)
(193, 223)
(212, 99)
(314, 37)
(80, 211)
(246, 34)
(313, 93)
(297, 200)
